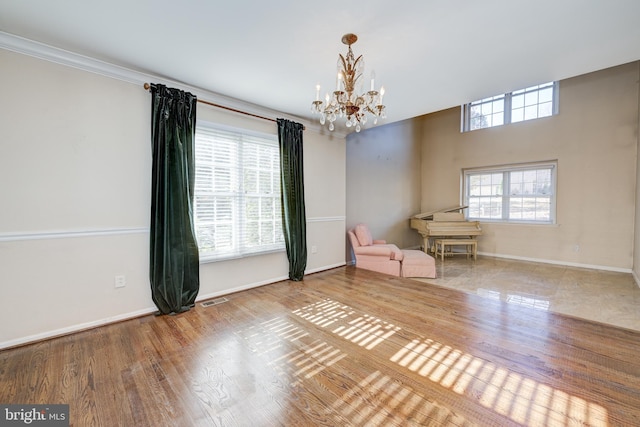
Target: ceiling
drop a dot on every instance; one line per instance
(429, 55)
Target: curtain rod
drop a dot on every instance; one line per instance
(147, 86)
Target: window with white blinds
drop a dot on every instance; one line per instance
(237, 193)
(516, 193)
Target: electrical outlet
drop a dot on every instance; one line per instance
(576, 248)
(314, 249)
(120, 281)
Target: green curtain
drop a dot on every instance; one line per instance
(174, 259)
(294, 222)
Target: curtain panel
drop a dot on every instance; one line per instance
(174, 258)
(294, 222)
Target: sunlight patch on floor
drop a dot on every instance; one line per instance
(303, 362)
(502, 390)
(380, 400)
(359, 328)
(508, 393)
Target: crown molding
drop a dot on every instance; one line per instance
(70, 59)
(85, 63)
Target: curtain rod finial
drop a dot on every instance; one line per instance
(147, 86)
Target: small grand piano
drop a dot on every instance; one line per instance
(444, 223)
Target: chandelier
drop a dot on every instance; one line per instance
(345, 101)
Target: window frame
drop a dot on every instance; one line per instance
(237, 195)
(507, 111)
(505, 199)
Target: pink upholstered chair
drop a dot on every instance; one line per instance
(376, 255)
(383, 257)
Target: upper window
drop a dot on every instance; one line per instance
(525, 104)
(518, 193)
(237, 193)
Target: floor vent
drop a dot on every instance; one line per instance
(214, 302)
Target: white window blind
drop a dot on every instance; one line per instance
(237, 193)
(517, 193)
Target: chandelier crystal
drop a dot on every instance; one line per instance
(345, 101)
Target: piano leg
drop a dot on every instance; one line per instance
(427, 247)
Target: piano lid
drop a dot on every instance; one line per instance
(429, 215)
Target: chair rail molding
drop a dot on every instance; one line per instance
(66, 234)
(327, 219)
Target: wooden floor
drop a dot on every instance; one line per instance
(344, 347)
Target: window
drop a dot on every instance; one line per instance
(525, 104)
(237, 193)
(518, 193)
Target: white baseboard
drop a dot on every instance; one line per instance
(636, 278)
(564, 263)
(143, 312)
(326, 267)
(75, 328)
(262, 283)
(239, 288)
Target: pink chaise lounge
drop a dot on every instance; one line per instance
(383, 257)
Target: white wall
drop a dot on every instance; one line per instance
(75, 169)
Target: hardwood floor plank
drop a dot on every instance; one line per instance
(343, 347)
(392, 349)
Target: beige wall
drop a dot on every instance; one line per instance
(75, 198)
(594, 138)
(383, 181)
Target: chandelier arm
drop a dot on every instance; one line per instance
(344, 66)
